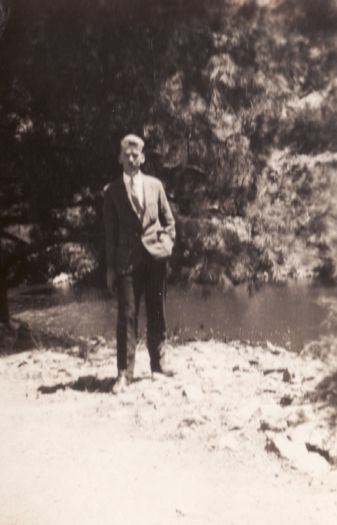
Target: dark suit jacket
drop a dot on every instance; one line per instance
(127, 234)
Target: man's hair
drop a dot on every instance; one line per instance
(132, 140)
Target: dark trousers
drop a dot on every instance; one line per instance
(148, 279)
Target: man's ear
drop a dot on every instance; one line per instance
(142, 158)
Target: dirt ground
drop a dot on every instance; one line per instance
(199, 448)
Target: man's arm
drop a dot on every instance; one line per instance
(110, 219)
(165, 214)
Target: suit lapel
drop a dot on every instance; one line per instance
(148, 198)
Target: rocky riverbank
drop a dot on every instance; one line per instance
(224, 395)
(267, 415)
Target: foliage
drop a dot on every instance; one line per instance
(75, 259)
(236, 103)
(292, 216)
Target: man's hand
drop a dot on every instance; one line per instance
(110, 279)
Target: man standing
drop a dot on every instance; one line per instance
(139, 234)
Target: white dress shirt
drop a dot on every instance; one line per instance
(138, 185)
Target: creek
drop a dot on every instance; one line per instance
(290, 315)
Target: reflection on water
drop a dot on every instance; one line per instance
(289, 315)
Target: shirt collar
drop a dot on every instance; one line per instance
(127, 178)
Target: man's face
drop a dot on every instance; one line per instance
(131, 158)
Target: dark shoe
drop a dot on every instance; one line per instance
(121, 384)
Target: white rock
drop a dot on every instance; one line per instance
(193, 393)
(297, 454)
(229, 441)
(63, 280)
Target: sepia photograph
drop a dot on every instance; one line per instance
(168, 262)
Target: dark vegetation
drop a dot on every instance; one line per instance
(237, 106)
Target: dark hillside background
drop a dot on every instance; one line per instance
(237, 104)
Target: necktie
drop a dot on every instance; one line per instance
(135, 198)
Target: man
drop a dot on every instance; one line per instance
(139, 233)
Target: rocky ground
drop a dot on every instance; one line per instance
(242, 434)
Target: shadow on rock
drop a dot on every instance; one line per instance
(82, 384)
(43, 389)
(326, 391)
(85, 384)
(93, 384)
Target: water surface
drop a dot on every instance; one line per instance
(290, 315)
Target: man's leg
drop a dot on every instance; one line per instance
(128, 293)
(155, 295)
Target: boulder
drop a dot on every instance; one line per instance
(297, 454)
(193, 393)
(318, 438)
(272, 418)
